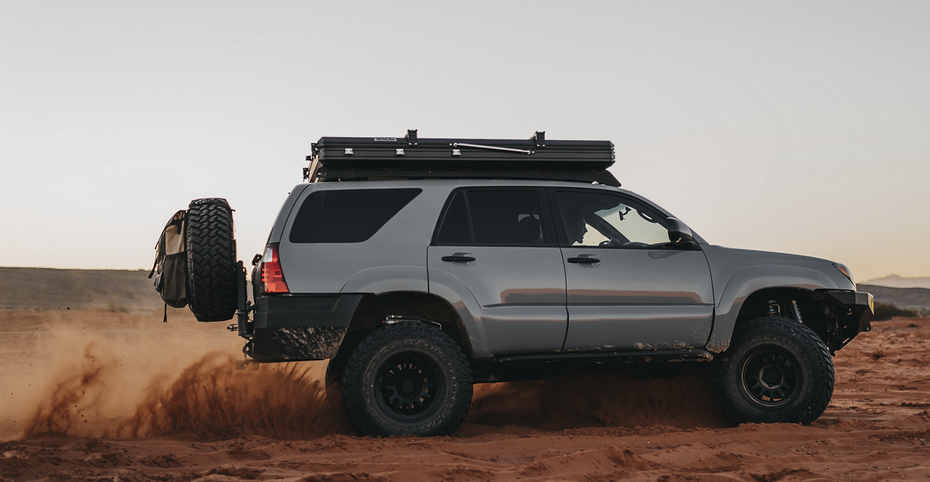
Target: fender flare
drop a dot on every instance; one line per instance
(392, 279)
(454, 291)
(746, 281)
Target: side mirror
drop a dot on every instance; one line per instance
(679, 233)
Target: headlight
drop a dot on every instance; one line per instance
(846, 271)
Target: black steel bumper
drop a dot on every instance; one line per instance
(298, 327)
(860, 309)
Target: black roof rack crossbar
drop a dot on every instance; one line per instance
(587, 176)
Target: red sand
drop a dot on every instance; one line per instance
(113, 395)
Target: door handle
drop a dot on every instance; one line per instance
(459, 258)
(584, 259)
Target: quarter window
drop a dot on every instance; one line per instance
(455, 226)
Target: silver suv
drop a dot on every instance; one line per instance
(421, 266)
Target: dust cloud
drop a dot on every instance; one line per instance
(145, 379)
(143, 383)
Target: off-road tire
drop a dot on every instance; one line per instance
(776, 370)
(211, 260)
(407, 379)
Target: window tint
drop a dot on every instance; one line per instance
(606, 220)
(454, 228)
(510, 217)
(349, 216)
(506, 217)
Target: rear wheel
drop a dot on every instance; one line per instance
(407, 379)
(776, 370)
(211, 260)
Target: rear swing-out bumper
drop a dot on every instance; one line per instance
(292, 328)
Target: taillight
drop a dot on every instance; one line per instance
(272, 275)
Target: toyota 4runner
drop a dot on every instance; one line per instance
(419, 267)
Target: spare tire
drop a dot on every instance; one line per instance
(211, 260)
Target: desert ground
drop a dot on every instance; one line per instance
(111, 392)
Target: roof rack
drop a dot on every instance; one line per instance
(410, 157)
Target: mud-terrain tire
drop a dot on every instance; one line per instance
(211, 260)
(407, 379)
(776, 370)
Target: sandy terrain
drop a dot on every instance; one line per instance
(115, 395)
(50, 289)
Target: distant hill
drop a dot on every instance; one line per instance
(46, 289)
(912, 298)
(895, 281)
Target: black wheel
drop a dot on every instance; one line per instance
(211, 260)
(407, 379)
(776, 371)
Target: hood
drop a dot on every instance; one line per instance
(784, 269)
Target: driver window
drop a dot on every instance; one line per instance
(605, 220)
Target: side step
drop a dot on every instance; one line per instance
(613, 357)
(536, 367)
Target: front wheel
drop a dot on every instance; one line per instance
(776, 371)
(407, 379)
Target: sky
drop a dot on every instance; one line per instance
(800, 127)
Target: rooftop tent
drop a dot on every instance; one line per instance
(410, 157)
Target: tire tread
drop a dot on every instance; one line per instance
(211, 260)
(778, 328)
(358, 362)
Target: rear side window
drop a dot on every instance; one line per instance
(493, 218)
(349, 216)
(455, 227)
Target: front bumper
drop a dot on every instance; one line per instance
(301, 327)
(859, 309)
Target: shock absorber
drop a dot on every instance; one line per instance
(797, 311)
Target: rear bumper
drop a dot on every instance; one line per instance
(299, 327)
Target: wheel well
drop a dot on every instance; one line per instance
(795, 303)
(373, 310)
